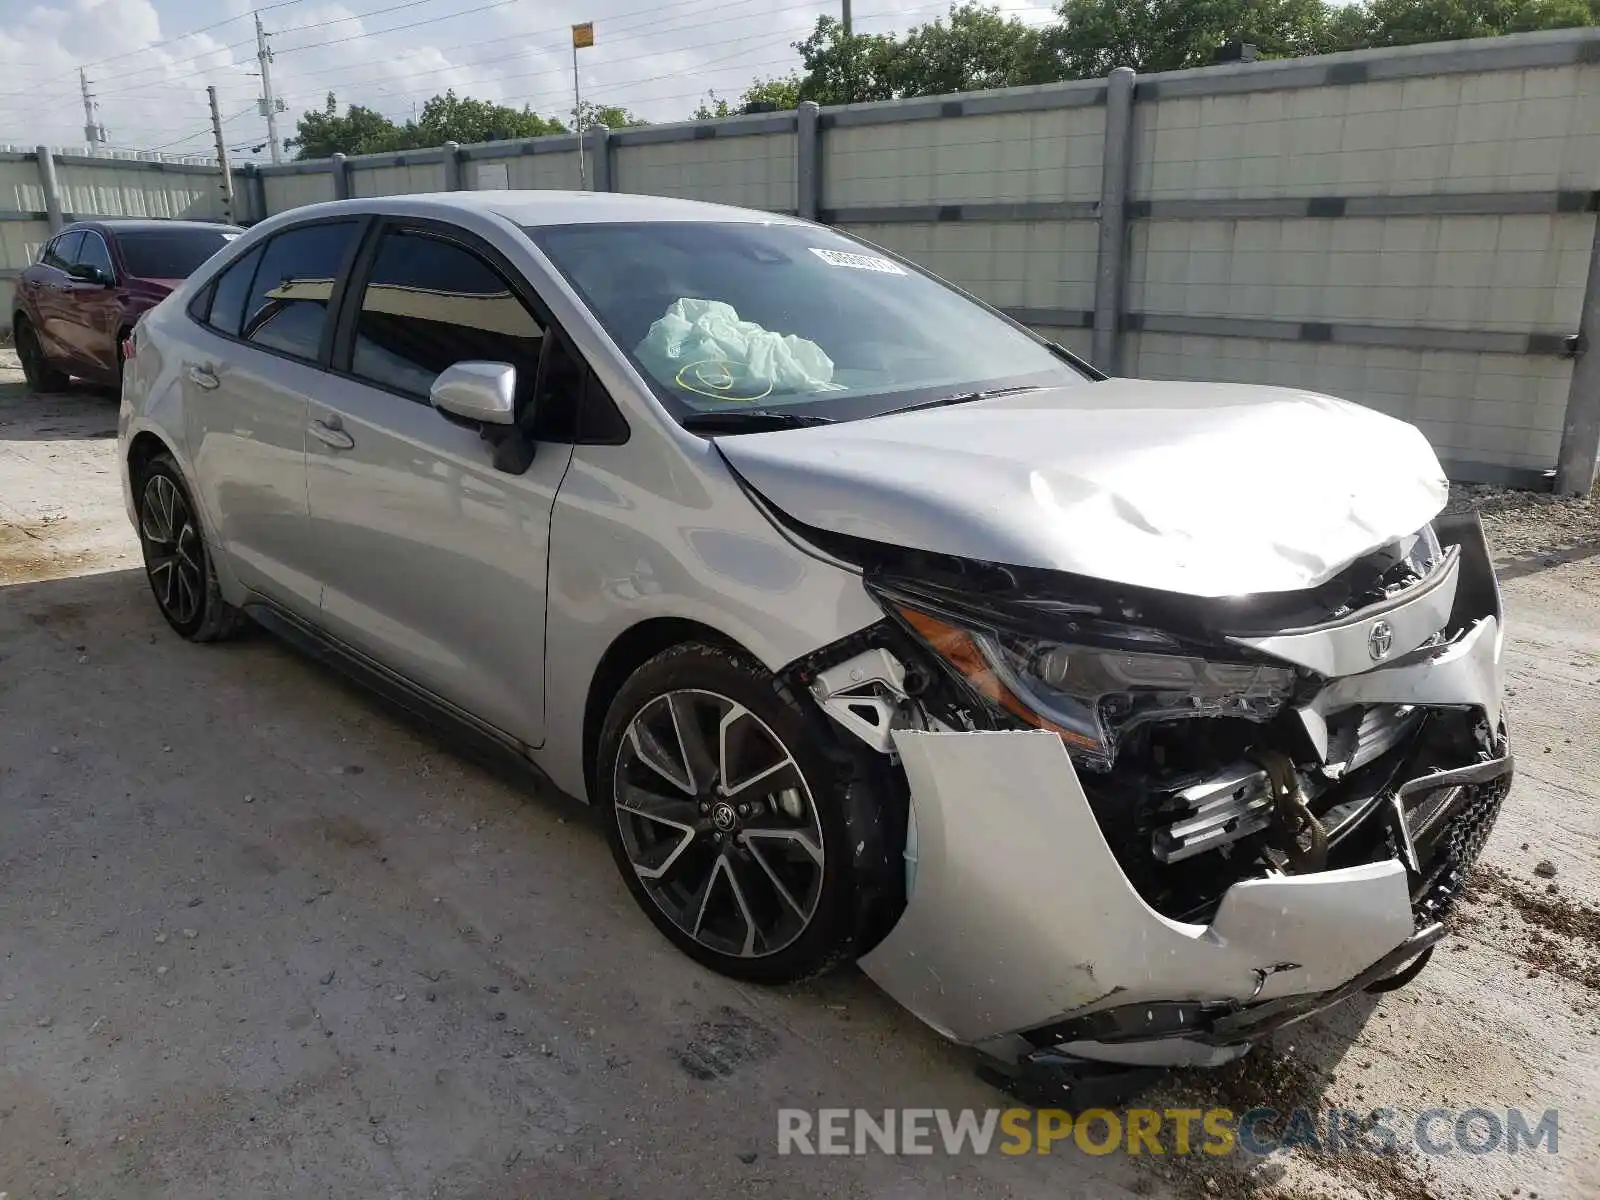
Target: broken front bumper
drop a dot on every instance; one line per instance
(1022, 924)
(1022, 930)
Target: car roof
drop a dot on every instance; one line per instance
(531, 208)
(140, 224)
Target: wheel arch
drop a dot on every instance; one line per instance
(144, 447)
(629, 651)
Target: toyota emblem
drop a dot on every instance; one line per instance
(1379, 638)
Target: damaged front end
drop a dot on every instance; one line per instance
(1148, 829)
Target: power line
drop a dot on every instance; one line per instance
(203, 132)
(353, 16)
(466, 12)
(563, 72)
(177, 37)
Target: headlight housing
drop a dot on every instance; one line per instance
(1092, 693)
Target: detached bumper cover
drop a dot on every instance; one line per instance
(1021, 915)
(1021, 921)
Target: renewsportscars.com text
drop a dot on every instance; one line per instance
(1177, 1131)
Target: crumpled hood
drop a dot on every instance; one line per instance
(1205, 489)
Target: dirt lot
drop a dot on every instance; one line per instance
(262, 938)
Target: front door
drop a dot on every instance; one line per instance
(432, 559)
(50, 291)
(249, 374)
(92, 315)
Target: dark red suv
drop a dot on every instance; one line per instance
(93, 279)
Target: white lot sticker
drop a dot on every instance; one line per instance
(862, 262)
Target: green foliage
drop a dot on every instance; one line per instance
(977, 47)
(608, 115)
(452, 118)
(446, 118)
(1096, 36)
(359, 131)
(779, 93)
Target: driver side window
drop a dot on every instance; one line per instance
(429, 303)
(62, 252)
(93, 253)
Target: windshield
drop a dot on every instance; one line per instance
(724, 316)
(170, 253)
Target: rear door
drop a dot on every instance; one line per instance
(433, 560)
(90, 312)
(254, 363)
(49, 293)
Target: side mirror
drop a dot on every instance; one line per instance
(87, 273)
(484, 392)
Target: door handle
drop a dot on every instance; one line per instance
(325, 433)
(201, 377)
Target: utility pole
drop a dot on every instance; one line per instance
(222, 158)
(269, 102)
(93, 132)
(846, 4)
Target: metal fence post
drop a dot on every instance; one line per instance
(600, 148)
(452, 166)
(807, 177)
(52, 193)
(1580, 432)
(1110, 267)
(341, 177)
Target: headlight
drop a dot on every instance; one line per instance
(1093, 694)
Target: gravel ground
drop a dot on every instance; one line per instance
(262, 938)
(1532, 524)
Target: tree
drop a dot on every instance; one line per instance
(978, 49)
(843, 68)
(1403, 22)
(359, 131)
(608, 115)
(779, 94)
(452, 118)
(1096, 36)
(446, 118)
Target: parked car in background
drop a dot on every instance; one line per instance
(1105, 722)
(93, 280)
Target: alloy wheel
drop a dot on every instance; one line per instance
(173, 555)
(718, 823)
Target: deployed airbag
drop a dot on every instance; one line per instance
(703, 347)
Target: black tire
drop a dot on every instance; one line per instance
(176, 559)
(36, 368)
(768, 854)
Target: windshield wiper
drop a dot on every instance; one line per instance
(750, 420)
(965, 398)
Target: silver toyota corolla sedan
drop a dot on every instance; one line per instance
(1102, 721)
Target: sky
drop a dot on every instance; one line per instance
(149, 61)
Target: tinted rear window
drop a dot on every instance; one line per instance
(170, 253)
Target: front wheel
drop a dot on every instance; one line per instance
(731, 817)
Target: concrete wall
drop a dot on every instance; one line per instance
(753, 171)
(1412, 228)
(1436, 140)
(84, 187)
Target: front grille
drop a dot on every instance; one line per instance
(1456, 845)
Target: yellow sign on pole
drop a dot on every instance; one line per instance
(583, 35)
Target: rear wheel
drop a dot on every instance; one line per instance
(730, 817)
(36, 368)
(176, 560)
